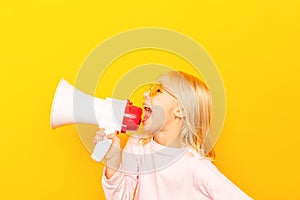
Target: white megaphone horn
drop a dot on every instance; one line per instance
(73, 106)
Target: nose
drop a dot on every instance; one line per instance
(147, 95)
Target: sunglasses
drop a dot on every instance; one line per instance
(157, 88)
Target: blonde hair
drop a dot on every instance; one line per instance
(196, 102)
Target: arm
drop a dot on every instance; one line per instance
(216, 185)
(121, 183)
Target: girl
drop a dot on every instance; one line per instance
(174, 160)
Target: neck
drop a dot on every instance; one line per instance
(169, 134)
(167, 139)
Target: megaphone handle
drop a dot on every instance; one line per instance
(101, 149)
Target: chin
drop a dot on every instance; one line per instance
(147, 127)
(152, 128)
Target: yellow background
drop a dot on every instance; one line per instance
(254, 44)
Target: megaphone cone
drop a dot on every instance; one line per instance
(73, 106)
(62, 112)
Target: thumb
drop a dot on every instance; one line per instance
(114, 136)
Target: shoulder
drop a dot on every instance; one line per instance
(200, 167)
(199, 164)
(192, 156)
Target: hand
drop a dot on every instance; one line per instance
(113, 156)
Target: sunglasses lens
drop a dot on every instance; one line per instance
(155, 89)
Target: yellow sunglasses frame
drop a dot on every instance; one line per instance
(156, 86)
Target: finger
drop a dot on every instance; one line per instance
(100, 133)
(113, 136)
(95, 141)
(110, 136)
(98, 138)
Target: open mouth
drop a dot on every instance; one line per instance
(147, 111)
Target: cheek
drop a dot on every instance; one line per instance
(161, 114)
(158, 115)
(163, 107)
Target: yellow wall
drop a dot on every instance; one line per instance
(255, 45)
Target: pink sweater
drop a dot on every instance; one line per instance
(155, 172)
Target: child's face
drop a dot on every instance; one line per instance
(159, 105)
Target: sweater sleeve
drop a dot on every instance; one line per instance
(123, 183)
(216, 185)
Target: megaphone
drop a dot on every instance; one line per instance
(70, 106)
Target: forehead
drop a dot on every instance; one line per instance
(169, 82)
(165, 80)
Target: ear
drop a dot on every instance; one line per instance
(178, 112)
